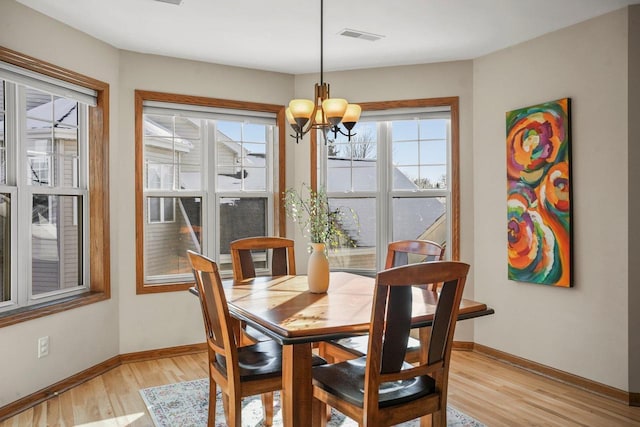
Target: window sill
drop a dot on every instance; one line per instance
(24, 314)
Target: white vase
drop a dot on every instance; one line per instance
(318, 269)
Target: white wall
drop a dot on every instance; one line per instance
(398, 83)
(582, 330)
(85, 336)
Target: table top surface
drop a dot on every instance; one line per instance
(283, 308)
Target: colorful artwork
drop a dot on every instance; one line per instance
(539, 194)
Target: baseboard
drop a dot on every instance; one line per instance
(40, 396)
(558, 375)
(634, 399)
(463, 345)
(183, 350)
(53, 390)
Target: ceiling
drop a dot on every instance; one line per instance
(284, 35)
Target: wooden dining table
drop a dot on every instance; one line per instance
(283, 308)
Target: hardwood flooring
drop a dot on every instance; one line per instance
(493, 392)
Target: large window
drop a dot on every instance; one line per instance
(209, 177)
(399, 174)
(48, 215)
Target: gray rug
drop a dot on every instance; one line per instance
(185, 404)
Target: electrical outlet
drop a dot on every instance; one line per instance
(43, 347)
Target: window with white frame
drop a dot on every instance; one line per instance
(44, 170)
(396, 174)
(208, 174)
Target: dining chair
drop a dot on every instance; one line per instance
(278, 249)
(281, 253)
(238, 371)
(401, 252)
(381, 388)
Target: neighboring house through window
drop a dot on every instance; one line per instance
(208, 168)
(45, 170)
(399, 174)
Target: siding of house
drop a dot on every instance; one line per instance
(59, 240)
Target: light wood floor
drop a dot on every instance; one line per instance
(495, 393)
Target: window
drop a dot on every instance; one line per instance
(48, 215)
(209, 175)
(399, 174)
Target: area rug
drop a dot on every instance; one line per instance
(185, 404)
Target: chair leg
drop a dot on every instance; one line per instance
(320, 413)
(225, 405)
(211, 419)
(426, 421)
(234, 419)
(267, 409)
(440, 418)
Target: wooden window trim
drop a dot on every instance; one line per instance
(140, 97)
(99, 243)
(453, 103)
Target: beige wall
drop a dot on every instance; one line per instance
(634, 199)
(86, 336)
(583, 330)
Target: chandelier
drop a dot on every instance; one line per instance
(324, 113)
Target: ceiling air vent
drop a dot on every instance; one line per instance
(356, 34)
(176, 2)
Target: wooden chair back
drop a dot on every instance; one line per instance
(238, 372)
(218, 323)
(418, 390)
(390, 323)
(403, 252)
(282, 256)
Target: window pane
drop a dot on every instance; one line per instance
(405, 130)
(241, 150)
(434, 128)
(241, 217)
(52, 140)
(173, 152)
(39, 106)
(406, 153)
(169, 209)
(5, 247)
(433, 151)
(155, 215)
(56, 243)
(166, 243)
(420, 218)
(358, 251)
(419, 154)
(351, 165)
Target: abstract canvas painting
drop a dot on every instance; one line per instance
(539, 194)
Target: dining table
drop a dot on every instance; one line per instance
(284, 309)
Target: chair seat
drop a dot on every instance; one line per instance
(256, 335)
(346, 381)
(260, 360)
(358, 345)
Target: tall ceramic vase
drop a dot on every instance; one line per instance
(318, 269)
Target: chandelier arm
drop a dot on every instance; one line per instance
(336, 130)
